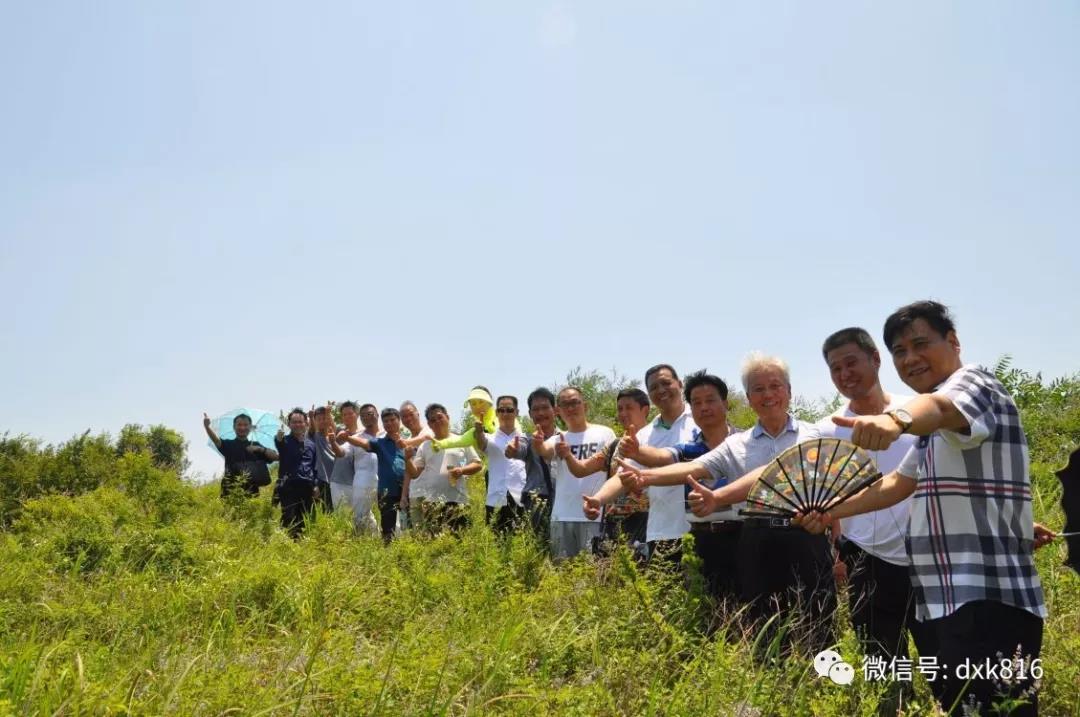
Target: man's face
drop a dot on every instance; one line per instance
(507, 414)
(769, 394)
(392, 424)
(665, 391)
(297, 423)
(854, 372)
(571, 407)
(631, 413)
(410, 416)
(439, 423)
(369, 417)
(348, 414)
(242, 426)
(923, 357)
(708, 409)
(542, 412)
(323, 421)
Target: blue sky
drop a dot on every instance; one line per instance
(207, 205)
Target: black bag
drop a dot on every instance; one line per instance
(257, 473)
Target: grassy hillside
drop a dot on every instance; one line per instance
(125, 590)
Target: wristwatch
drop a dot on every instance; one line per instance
(902, 418)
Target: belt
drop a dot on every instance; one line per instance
(770, 523)
(718, 526)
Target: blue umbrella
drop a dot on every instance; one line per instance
(264, 426)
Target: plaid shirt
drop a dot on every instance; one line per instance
(971, 535)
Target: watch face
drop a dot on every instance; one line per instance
(903, 415)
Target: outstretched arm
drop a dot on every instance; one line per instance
(360, 441)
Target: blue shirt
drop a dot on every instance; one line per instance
(298, 459)
(391, 465)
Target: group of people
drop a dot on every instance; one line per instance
(941, 547)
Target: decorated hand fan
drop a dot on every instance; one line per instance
(814, 475)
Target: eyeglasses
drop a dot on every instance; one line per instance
(572, 403)
(504, 410)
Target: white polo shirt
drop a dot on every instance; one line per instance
(505, 475)
(667, 504)
(880, 533)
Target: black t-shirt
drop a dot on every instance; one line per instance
(237, 458)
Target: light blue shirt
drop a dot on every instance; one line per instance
(742, 452)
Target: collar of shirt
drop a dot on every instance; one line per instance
(758, 430)
(659, 421)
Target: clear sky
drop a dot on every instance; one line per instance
(206, 205)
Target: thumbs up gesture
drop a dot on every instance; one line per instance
(590, 506)
(628, 444)
(630, 477)
(538, 439)
(562, 448)
(205, 420)
(874, 433)
(513, 447)
(702, 501)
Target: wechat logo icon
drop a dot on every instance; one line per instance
(828, 663)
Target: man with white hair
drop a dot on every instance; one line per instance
(778, 567)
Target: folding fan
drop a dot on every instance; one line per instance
(814, 475)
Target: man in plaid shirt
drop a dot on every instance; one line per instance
(971, 537)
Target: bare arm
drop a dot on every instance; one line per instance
(653, 457)
(929, 412)
(210, 432)
(887, 492)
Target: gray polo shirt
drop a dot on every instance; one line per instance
(743, 452)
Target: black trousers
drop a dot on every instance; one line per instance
(537, 508)
(787, 572)
(297, 503)
(718, 550)
(440, 516)
(388, 510)
(881, 599)
(504, 518)
(977, 632)
(624, 528)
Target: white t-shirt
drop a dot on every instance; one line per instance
(365, 466)
(880, 533)
(505, 475)
(667, 503)
(433, 482)
(569, 489)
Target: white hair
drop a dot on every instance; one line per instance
(757, 361)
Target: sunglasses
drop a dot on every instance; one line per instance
(504, 410)
(572, 403)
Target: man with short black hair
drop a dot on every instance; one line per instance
(246, 461)
(366, 472)
(571, 531)
(506, 476)
(871, 546)
(971, 536)
(391, 452)
(716, 536)
(434, 490)
(626, 514)
(539, 490)
(298, 473)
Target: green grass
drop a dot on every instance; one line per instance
(147, 596)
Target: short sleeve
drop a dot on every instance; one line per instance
(909, 465)
(420, 459)
(471, 456)
(974, 397)
(719, 462)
